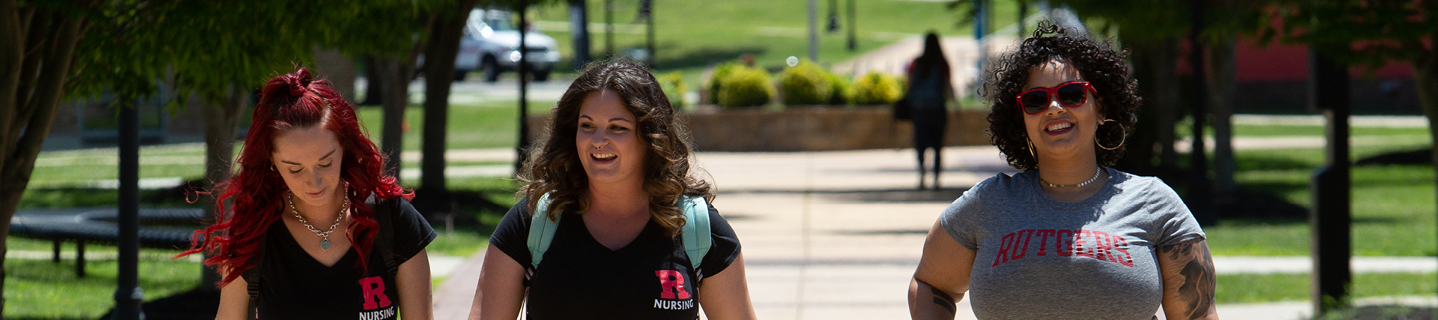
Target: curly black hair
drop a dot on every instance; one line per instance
(1096, 60)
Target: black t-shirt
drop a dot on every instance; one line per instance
(650, 278)
(296, 286)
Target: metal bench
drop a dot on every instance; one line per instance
(98, 225)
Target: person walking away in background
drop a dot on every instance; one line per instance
(929, 90)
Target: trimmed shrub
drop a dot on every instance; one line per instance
(715, 79)
(877, 88)
(674, 88)
(843, 90)
(745, 87)
(805, 84)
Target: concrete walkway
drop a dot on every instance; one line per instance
(837, 235)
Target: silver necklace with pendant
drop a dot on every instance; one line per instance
(325, 235)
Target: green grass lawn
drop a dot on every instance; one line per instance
(1393, 206)
(486, 125)
(39, 289)
(691, 35)
(1249, 288)
(1291, 130)
(490, 124)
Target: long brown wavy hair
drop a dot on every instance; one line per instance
(553, 166)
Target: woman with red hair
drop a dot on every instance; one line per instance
(314, 228)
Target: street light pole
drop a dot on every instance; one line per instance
(523, 71)
(1331, 218)
(1200, 200)
(853, 28)
(608, 29)
(813, 31)
(127, 291)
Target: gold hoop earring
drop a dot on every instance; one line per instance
(1031, 149)
(1120, 141)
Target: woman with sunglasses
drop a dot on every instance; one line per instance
(1067, 238)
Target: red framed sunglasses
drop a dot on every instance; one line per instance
(1070, 94)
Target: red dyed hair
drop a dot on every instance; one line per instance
(257, 193)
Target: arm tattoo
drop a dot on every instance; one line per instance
(944, 300)
(1197, 275)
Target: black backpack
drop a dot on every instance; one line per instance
(383, 242)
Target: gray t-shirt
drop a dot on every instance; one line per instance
(1040, 258)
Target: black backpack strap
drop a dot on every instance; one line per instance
(384, 212)
(252, 280)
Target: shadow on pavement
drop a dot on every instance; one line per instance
(1262, 207)
(1410, 157)
(197, 304)
(946, 195)
(704, 56)
(896, 232)
(1383, 312)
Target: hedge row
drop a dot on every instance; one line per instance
(735, 85)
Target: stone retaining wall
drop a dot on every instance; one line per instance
(812, 128)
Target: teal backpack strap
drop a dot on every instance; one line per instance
(541, 231)
(696, 235)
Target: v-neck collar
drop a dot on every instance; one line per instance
(289, 239)
(648, 224)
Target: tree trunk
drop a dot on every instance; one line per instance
(1222, 74)
(1425, 77)
(374, 90)
(1153, 134)
(337, 68)
(1166, 100)
(440, 51)
(392, 74)
(1143, 143)
(30, 90)
(1138, 157)
(222, 116)
(579, 32)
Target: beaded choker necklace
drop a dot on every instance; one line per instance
(1096, 172)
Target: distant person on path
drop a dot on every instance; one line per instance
(311, 227)
(929, 90)
(1066, 238)
(614, 222)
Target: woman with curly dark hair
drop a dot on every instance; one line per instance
(315, 229)
(1068, 237)
(613, 223)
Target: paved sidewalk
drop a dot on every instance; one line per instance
(837, 235)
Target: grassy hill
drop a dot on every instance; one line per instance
(691, 35)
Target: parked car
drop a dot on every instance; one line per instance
(494, 43)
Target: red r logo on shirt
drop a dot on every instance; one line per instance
(670, 282)
(374, 296)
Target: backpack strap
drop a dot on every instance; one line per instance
(384, 241)
(696, 235)
(541, 232)
(252, 278)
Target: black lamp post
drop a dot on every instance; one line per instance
(127, 291)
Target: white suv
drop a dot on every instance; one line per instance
(490, 44)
